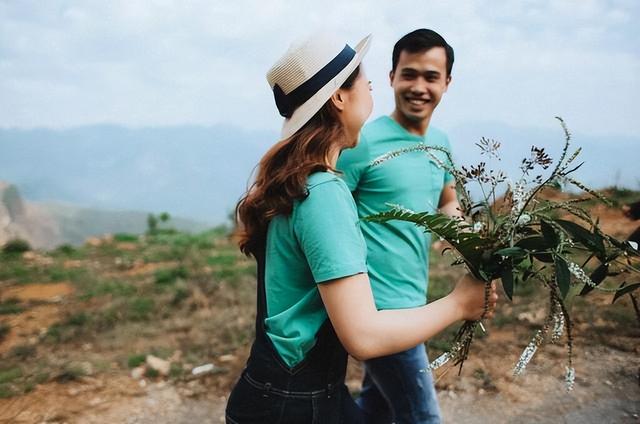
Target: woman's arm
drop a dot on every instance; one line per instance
(368, 333)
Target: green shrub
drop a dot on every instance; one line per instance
(223, 259)
(23, 352)
(125, 237)
(179, 296)
(14, 270)
(10, 306)
(77, 320)
(205, 243)
(176, 370)
(114, 288)
(140, 308)
(41, 377)
(107, 319)
(6, 391)
(54, 333)
(9, 374)
(136, 360)
(66, 249)
(170, 276)
(67, 330)
(71, 372)
(4, 330)
(16, 246)
(59, 273)
(151, 373)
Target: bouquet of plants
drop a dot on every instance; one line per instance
(522, 237)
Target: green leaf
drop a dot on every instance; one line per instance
(513, 252)
(543, 257)
(563, 276)
(597, 276)
(534, 243)
(579, 234)
(483, 276)
(624, 290)
(469, 245)
(507, 281)
(549, 234)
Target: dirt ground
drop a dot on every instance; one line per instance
(606, 354)
(607, 390)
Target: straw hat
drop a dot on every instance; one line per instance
(306, 76)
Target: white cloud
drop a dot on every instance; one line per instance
(66, 63)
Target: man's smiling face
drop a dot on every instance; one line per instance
(419, 81)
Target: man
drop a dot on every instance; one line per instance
(396, 388)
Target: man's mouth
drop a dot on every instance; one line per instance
(417, 102)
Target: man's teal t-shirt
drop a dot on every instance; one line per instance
(397, 252)
(319, 241)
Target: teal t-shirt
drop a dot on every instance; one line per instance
(397, 252)
(319, 241)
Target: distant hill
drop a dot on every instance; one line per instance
(47, 225)
(77, 224)
(200, 172)
(195, 172)
(19, 219)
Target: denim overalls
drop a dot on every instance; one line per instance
(312, 392)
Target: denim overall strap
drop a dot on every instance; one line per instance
(324, 365)
(261, 298)
(312, 392)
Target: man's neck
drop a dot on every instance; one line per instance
(413, 127)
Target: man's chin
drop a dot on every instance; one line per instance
(415, 117)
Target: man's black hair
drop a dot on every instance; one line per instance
(418, 41)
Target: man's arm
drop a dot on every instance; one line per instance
(449, 204)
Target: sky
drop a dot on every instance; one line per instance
(161, 63)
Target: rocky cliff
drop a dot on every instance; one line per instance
(19, 219)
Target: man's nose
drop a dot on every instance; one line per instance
(419, 86)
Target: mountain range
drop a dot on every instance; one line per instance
(200, 172)
(48, 225)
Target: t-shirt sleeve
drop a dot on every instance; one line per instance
(448, 177)
(353, 162)
(327, 228)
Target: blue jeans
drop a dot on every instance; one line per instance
(252, 402)
(397, 389)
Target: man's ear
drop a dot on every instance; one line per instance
(391, 74)
(338, 99)
(446, 87)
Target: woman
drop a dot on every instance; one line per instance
(300, 222)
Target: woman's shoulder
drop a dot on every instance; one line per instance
(325, 189)
(327, 179)
(328, 199)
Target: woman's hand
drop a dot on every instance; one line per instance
(469, 295)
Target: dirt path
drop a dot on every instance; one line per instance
(46, 306)
(161, 404)
(607, 391)
(111, 400)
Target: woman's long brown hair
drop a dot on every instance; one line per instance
(283, 172)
